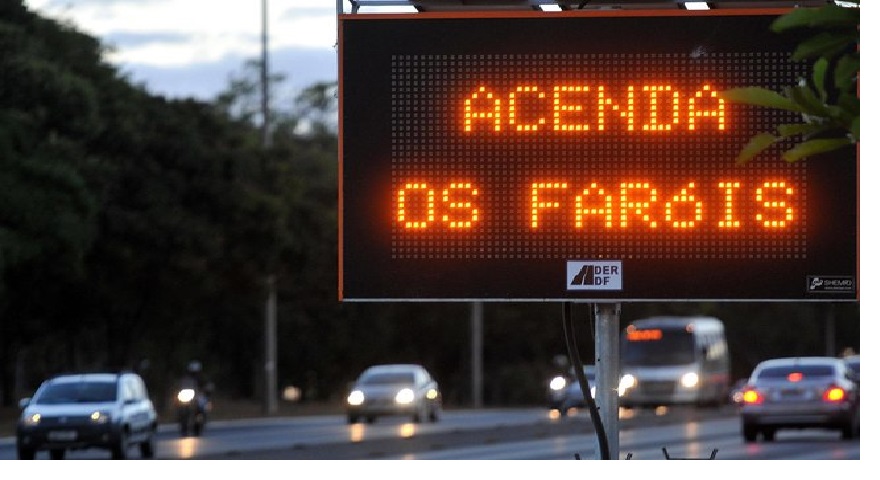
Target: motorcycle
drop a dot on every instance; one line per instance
(193, 407)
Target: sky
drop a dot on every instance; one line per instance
(190, 48)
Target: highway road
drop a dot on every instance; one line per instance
(486, 434)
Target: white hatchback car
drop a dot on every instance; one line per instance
(111, 411)
(394, 389)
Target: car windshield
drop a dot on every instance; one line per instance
(77, 392)
(672, 348)
(389, 378)
(808, 372)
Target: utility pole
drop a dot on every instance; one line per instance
(270, 404)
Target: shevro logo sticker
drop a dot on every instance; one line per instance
(594, 275)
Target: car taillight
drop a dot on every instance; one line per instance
(751, 396)
(834, 394)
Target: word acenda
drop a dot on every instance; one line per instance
(732, 205)
(568, 108)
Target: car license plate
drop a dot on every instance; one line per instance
(62, 435)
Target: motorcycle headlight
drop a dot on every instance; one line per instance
(557, 383)
(186, 395)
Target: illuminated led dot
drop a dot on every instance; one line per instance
(729, 219)
(538, 204)
(695, 113)
(605, 211)
(493, 114)
(471, 213)
(512, 107)
(775, 206)
(402, 213)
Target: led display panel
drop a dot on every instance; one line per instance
(580, 156)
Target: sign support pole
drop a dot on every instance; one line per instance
(607, 317)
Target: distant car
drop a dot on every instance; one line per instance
(111, 411)
(394, 389)
(853, 362)
(564, 391)
(800, 393)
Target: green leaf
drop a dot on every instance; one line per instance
(792, 129)
(846, 73)
(805, 98)
(756, 145)
(814, 147)
(821, 45)
(759, 96)
(826, 17)
(820, 68)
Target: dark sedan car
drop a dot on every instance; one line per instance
(800, 393)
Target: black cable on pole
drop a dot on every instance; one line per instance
(575, 360)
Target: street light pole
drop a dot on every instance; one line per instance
(270, 405)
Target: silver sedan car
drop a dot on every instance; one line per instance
(394, 389)
(800, 393)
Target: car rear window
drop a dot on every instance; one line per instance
(79, 392)
(808, 371)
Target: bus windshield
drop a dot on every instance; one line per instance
(666, 347)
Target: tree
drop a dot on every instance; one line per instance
(827, 100)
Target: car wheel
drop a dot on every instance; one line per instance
(26, 453)
(56, 454)
(434, 417)
(148, 446)
(198, 427)
(352, 419)
(769, 434)
(750, 433)
(370, 419)
(120, 449)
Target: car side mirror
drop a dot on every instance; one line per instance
(24, 402)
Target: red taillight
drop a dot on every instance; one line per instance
(752, 397)
(834, 394)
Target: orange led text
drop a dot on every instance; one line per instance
(574, 108)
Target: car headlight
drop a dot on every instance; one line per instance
(432, 394)
(626, 382)
(356, 398)
(99, 418)
(405, 396)
(557, 383)
(690, 380)
(31, 419)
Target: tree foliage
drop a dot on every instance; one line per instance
(827, 100)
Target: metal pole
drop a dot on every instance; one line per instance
(477, 353)
(608, 372)
(270, 404)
